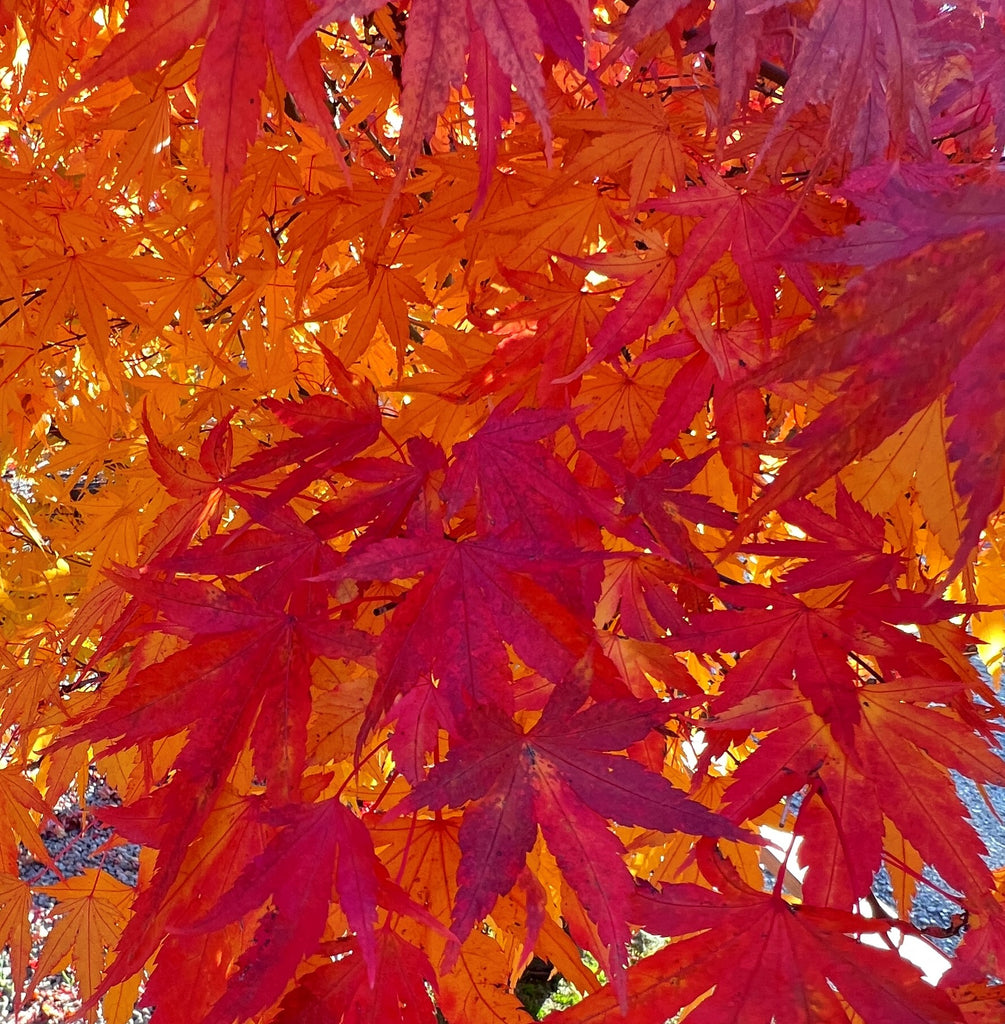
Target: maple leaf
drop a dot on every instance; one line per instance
(151, 33)
(886, 345)
(91, 909)
(343, 990)
(317, 847)
(331, 429)
(876, 105)
(513, 477)
(560, 315)
(233, 628)
(473, 596)
(555, 775)
(15, 933)
(752, 224)
(736, 27)
(20, 800)
(225, 836)
(424, 854)
(231, 76)
(637, 133)
(239, 38)
(664, 503)
(90, 282)
(437, 40)
(372, 295)
(895, 726)
(388, 493)
(764, 958)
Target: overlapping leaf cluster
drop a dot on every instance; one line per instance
(473, 469)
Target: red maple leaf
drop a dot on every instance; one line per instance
(319, 848)
(474, 597)
(759, 959)
(345, 991)
(249, 656)
(899, 347)
(757, 224)
(867, 766)
(558, 775)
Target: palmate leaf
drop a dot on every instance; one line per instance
(765, 960)
(899, 737)
(91, 909)
(342, 990)
(474, 596)
(251, 657)
(557, 776)
(316, 846)
(905, 341)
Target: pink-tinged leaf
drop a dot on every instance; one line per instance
(663, 505)
(152, 32)
(860, 57)
(334, 11)
(249, 656)
(758, 227)
(893, 757)
(299, 66)
(646, 17)
(890, 330)
(435, 44)
(564, 26)
(590, 858)
(512, 35)
(977, 437)
(508, 469)
(418, 716)
(387, 494)
(217, 452)
(491, 95)
(231, 77)
(736, 29)
(331, 430)
(644, 303)
(474, 597)
(688, 391)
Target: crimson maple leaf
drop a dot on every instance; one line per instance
(503, 40)
(318, 848)
(343, 991)
(474, 597)
(760, 959)
(515, 479)
(758, 224)
(899, 348)
(900, 733)
(330, 430)
(558, 775)
(250, 657)
(388, 494)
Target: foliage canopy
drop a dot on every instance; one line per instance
(473, 469)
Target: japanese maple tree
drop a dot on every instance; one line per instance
(487, 479)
